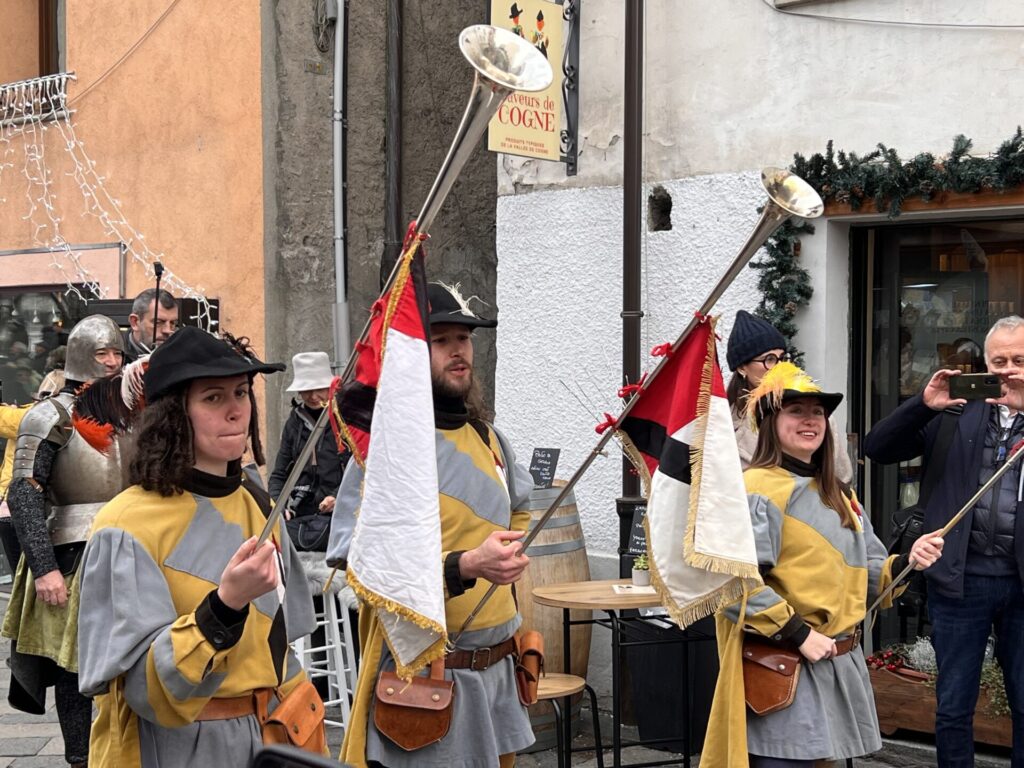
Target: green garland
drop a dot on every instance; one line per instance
(785, 285)
(883, 178)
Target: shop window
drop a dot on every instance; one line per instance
(34, 325)
(34, 39)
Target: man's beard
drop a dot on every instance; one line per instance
(443, 387)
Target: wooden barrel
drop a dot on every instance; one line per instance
(557, 555)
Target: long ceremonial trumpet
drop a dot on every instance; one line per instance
(503, 63)
(788, 196)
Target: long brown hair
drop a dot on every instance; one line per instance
(769, 454)
(737, 392)
(475, 403)
(162, 454)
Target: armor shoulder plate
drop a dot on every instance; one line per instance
(47, 420)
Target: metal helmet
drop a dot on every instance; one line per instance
(92, 334)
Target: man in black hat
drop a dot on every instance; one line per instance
(514, 13)
(482, 499)
(540, 40)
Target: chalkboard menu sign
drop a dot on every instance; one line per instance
(637, 538)
(542, 466)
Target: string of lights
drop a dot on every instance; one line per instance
(29, 109)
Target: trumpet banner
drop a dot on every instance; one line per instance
(700, 542)
(386, 416)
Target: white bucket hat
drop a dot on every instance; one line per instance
(311, 370)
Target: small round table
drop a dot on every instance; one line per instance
(602, 596)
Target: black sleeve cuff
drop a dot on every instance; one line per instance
(794, 632)
(899, 564)
(453, 580)
(221, 625)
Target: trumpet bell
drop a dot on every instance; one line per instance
(791, 193)
(505, 59)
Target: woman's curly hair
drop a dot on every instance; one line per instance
(162, 454)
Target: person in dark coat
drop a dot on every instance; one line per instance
(975, 590)
(152, 323)
(318, 484)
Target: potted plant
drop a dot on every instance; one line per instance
(641, 571)
(903, 679)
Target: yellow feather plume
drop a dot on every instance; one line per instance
(784, 376)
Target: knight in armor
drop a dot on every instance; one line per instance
(66, 467)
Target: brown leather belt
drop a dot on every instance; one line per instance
(480, 659)
(848, 643)
(229, 709)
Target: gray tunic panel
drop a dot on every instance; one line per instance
(487, 721)
(833, 713)
(214, 743)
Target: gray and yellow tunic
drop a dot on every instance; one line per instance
(818, 575)
(156, 644)
(480, 485)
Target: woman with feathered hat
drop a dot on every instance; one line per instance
(755, 347)
(821, 564)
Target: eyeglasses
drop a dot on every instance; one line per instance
(770, 360)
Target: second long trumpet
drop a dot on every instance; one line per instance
(788, 196)
(503, 63)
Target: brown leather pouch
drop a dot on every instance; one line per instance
(770, 675)
(414, 713)
(529, 665)
(298, 720)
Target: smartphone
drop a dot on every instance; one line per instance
(975, 386)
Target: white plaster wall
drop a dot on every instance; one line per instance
(732, 85)
(560, 294)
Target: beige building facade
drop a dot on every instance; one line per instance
(166, 103)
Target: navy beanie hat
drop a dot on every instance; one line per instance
(751, 336)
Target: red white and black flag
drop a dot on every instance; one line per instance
(700, 543)
(386, 416)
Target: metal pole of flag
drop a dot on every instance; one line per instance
(503, 63)
(788, 196)
(1015, 454)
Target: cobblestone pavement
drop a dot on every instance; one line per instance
(31, 741)
(26, 741)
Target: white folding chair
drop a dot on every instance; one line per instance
(334, 660)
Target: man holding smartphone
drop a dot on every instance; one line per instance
(976, 588)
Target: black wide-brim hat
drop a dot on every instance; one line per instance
(448, 305)
(195, 354)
